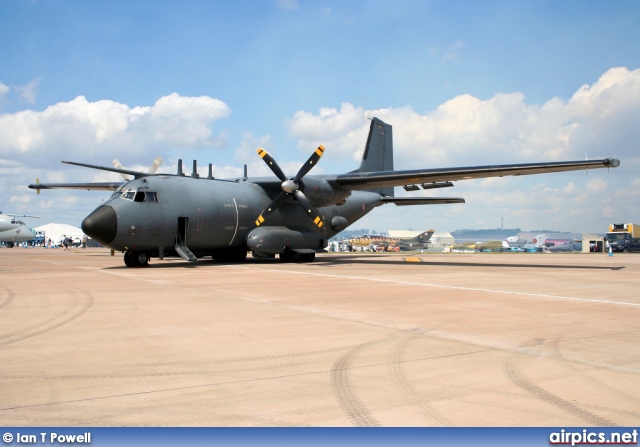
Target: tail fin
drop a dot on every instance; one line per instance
(378, 153)
(424, 237)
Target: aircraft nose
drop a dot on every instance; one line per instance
(101, 225)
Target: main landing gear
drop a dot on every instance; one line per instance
(136, 259)
(292, 256)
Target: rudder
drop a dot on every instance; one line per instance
(378, 153)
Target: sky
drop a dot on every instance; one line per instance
(463, 83)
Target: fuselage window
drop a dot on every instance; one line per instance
(151, 196)
(129, 195)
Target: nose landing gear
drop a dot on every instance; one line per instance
(136, 259)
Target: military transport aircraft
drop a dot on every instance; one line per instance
(158, 215)
(14, 231)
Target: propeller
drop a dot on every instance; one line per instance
(291, 187)
(152, 169)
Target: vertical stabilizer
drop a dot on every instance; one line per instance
(378, 153)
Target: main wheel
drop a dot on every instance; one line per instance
(308, 257)
(234, 255)
(128, 259)
(136, 259)
(142, 259)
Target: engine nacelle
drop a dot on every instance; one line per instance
(339, 223)
(321, 193)
(276, 240)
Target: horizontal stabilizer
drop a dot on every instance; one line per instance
(107, 186)
(136, 174)
(403, 201)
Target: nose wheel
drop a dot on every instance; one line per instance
(136, 259)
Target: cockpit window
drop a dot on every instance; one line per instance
(139, 196)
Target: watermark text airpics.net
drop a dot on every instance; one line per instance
(593, 437)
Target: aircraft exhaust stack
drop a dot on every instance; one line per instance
(180, 167)
(194, 172)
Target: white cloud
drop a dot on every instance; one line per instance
(287, 4)
(81, 127)
(4, 91)
(27, 93)
(599, 120)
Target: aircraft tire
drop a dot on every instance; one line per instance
(236, 255)
(128, 259)
(136, 259)
(292, 256)
(141, 258)
(9, 244)
(308, 257)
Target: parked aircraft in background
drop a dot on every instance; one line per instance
(386, 243)
(575, 246)
(420, 242)
(516, 243)
(13, 231)
(157, 215)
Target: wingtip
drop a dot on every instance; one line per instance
(612, 162)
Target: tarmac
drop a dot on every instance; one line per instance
(514, 339)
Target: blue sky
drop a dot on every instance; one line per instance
(462, 83)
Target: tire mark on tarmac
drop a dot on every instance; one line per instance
(344, 391)
(201, 369)
(9, 296)
(79, 307)
(397, 366)
(556, 354)
(538, 392)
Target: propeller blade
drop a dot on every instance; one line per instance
(311, 162)
(116, 164)
(268, 159)
(155, 165)
(271, 208)
(308, 208)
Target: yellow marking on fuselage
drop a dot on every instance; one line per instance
(412, 259)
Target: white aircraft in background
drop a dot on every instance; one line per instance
(14, 231)
(516, 243)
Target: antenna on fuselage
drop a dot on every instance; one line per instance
(210, 176)
(245, 173)
(180, 167)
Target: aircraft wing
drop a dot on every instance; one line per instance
(402, 201)
(109, 186)
(368, 180)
